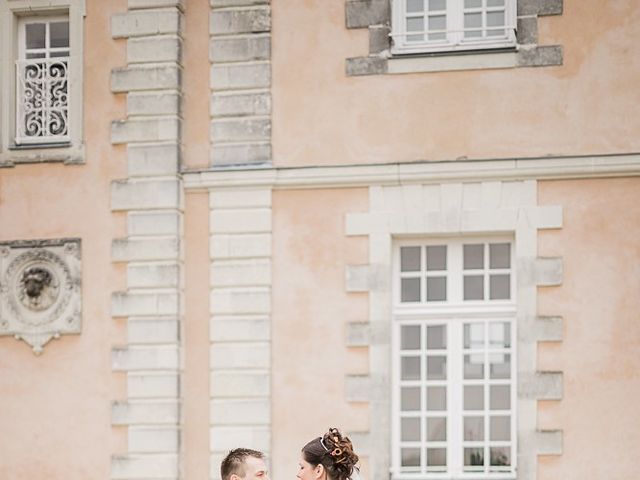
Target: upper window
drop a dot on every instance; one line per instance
(454, 332)
(446, 25)
(42, 81)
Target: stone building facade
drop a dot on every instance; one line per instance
(239, 222)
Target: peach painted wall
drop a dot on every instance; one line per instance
(309, 316)
(587, 106)
(55, 409)
(599, 300)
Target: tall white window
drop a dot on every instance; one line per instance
(42, 81)
(445, 25)
(454, 360)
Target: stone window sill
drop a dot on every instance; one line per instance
(66, 153)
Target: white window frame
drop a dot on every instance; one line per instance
(454, 313)
(12, 13)
(454, 32)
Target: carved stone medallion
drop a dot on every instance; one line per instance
(40, 290)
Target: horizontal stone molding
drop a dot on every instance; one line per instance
(245, 20)
(254, 411)
(153, 331)
(240, 328)
(240, 245)
(241, 355)
(225, 438)
(152, 385)
(142, 467)
(540, 385)
(240, 384)
(151, 223)
(153, 160)
(146, 22)
(127, 250)
(143, 412)
(145, 130)
(145, 358)
(240, 76)
(348, 176)
(125, 304)
(148, 194)
(251, 300)
(143, 77)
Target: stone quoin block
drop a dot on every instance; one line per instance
(254, 300)
(145, 130)
(240, 245)
(236, 198)
(163, 77)
(143, 249)
(138, 4)
(226, 438)
(146, 331)
(231, 383)
(240, 76)
(240, 411)
(139, 467)
(142, 103)
(362, 13)
(152, 160)
(249, 220)
(153, 49)
(152, 385)
(527, 31)
(241, 49)
(239, 104)
(231, 273)
(379, 40)
(140, 195)
(146, 22)
(236, 3)
(540, 56)
(145, 412)
(240, 328)
(153, 223)
(240, 355)
(241, 153)
(144, 439)
(253, 20)
(145, 358)
(240, 129)
(144, 275)
(143, 304)
(366, 66)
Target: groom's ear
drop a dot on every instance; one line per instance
(233, 476)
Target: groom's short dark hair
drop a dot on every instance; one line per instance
(234, 462)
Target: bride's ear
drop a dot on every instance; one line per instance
(319, 471)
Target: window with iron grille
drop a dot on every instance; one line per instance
(422, 26)
(42, 81)
(453, 389)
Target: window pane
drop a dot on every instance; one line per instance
(415, 6)
(60, 53)
(436, 337)
(410, 367)
(35, 35)
(410, 399)
(35, 55)
(410, 259)
(59, 34)
(473, 256)
(499, 253)
(410, 457)
(437, 368)
(474, 428)
(435, 5)
(495, 3)
(410, 290)
(410, 337)
(499, 335)
(472, 20)
(500, 456)
(410, 429)
(438, 22)
(473, 457)
(500, 397)
(436, 256)
(474, 366)
(499, 288)
(495, 19)
(474, 287)
(436, 289)
(436, 429)
(436, 457)
(500, 428)
(472, 3)
(474, 397)
(415, 25)
(500, 365)
(436, 398)
(474, 335)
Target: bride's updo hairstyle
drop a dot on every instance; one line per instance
(334, 452)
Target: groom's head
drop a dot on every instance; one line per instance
(244, 464)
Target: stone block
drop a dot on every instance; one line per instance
(236, 3)
(243, 49)
(127, 250)
(239, 104)
(240, 355)
(151, 160)
(153, 223)
(154, 49)
(255, 300)
(528, 7)
(139, 4)
(549, 442)
(153, 439)
(246, 20)
(146, 22)
(550, 7)
(141, 104)
(366, 66)
(527, 30)
(145, 130)
(548, 272)
(366, 334)
(240, 328)
(145, 275)
(379, 40)
(140, 195)
(240, 245)
(362, 13)
(240, 76)
(540, 56)
(145, 358)
(240, 198)
(241, 153)
(229, 273)
(250, 220)
(238, 130)
(158, 77)
(143, 304)
(153, 385)
(357, 388)
(548, 329)
(226, 438)
(227, 384)
(237, 411)
(147, 331)
(141, 467)
(540, 385)
(138, 412)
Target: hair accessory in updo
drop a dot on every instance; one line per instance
(334, 452)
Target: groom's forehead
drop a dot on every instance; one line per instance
(255, 463)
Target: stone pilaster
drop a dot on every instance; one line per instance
(151, 196)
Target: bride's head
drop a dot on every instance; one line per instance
(330, 457)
